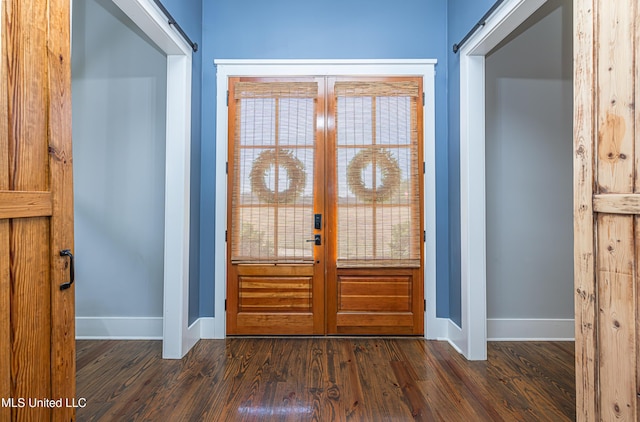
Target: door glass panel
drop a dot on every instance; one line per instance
(378, 174)
(272, 203)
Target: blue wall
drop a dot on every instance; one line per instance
(462, 15)
(188, 14)
(353, 29)
(340, 29)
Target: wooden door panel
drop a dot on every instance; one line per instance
(375, 248)
(275, 281)
(606, 163)
(380, 301)
(37, 355)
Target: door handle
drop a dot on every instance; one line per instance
(67, 252)
(317, 240)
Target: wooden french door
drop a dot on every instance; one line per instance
(325, 232)
(37, 331)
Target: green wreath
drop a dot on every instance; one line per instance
(390, 175)
(295, 172)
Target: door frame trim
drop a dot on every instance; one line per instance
(177, 338)
(471, 338)
(412, 67)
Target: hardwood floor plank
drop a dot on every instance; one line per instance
(325, 379)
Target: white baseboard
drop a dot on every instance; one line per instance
(119, 328)
(530, 329)
(209, 329)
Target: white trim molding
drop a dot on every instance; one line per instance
(119, 328)
(473, 336)
(177, 338)
(530, 329)
(416, 67)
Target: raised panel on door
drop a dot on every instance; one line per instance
(374, 206)
(37, 353)
(275, 282)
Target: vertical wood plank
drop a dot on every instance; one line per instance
(30, 315)
(5, 327)
(616, 293)
(615, 85)
(5, 295)
(61, 167)
(636, 131)
(30, 306)
(28, 101)
(584, 264)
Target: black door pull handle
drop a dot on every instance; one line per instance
(67, 252)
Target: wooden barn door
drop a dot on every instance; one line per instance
(607, 208)
(37, 346)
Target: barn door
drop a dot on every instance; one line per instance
(275, 282)
(607, 208)
(37, 350)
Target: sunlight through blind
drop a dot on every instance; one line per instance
(274, 157)
(378, 174)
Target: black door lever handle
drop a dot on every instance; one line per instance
(67, 252)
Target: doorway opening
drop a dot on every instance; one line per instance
(529, 151)
(172, 327)
(322, 69)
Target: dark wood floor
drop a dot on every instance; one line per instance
(325, 379)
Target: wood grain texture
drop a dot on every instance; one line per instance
(5, 320)
(61, 185)
(380, 301)
(30, 315)
(325, 379)
(616, 292)
(5, 281)
(19, 204)
(36, 207)
(617, 203)
(585, 298)
(615, 85)
(617, 347)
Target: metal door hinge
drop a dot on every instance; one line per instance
(226, 167)
(227, 98)
(425, 304)
(423, 98)
(424, 238)
(424, 167)
(225, 304)
(225, 235)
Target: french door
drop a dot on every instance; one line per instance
(325, 232)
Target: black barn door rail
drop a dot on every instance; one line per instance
(480, 24)
(175, 24)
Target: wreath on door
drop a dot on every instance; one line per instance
(390, 175)
(297, 177)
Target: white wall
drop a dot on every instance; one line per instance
(119, 95)
(529, 170)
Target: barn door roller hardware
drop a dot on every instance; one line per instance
(480, 24)
(173, 23)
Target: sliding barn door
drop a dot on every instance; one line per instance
(607, 209)
(275, 282)
(37, 334)
(375, 221)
